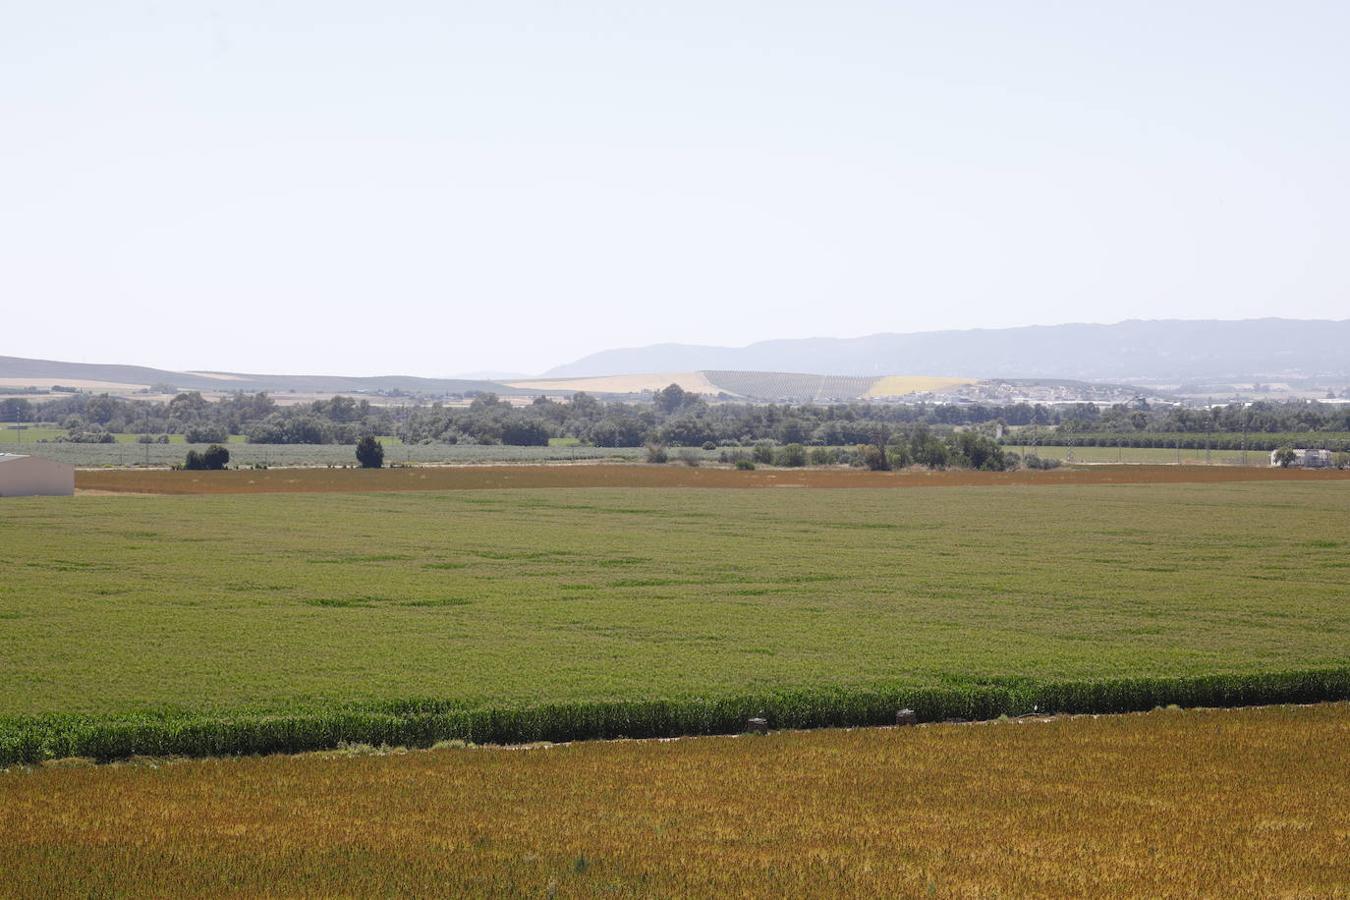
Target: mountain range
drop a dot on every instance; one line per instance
(1134, 352)
(1131, 351)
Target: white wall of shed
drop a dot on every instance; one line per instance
(33, 476)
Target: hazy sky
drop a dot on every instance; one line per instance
(443, 187)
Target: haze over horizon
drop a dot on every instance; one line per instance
(332, 189)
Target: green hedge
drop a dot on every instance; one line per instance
(420, 723)
(1256, 441)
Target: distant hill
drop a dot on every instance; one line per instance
(1160, 350)
(45, 373)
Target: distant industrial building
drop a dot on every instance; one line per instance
(1305, 459)
(33, 476)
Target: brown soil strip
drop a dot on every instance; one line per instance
(443, 478)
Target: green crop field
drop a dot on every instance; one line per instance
(112, 605)
(1155, 456)
(242, 454)
(10, 433)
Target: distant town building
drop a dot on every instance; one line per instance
(1306, 459)
(33, 476)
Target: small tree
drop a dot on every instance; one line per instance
(671, 398)
(215, 457)
(874, 457)
(690, 457)
(1285, 456)
(656, 453)
(206, 434)
(791, 456)
(525, 433)
(898, 454)
(369, 453)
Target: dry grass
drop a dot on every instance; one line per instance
(439, 478)
(899, 385)
(1202, 803)
(696, 382)
(82, 383)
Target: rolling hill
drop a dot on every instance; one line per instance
(16, 370)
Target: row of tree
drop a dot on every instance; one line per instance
(95, 418)
(1262, 416)
(673, 417)
(369, 455)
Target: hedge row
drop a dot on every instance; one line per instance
(1335, 441)
(420, 723)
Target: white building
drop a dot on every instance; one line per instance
(1306, 459)
(32, 476)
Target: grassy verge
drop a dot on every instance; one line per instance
(421, 723)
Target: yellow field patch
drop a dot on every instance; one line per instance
(620, 384)
(899, 385)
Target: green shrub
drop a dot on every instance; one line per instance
(790, 456)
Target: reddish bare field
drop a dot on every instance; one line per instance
(446, 478)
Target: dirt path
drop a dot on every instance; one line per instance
(440, 478)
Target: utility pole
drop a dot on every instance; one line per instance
(1209, 428)
(1246, 421)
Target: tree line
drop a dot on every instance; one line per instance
(672, 417)
(1259, 417)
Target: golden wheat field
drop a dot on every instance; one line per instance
(1200, 803)
(899, 385)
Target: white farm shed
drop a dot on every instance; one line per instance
(33, 476)
(1305, 459)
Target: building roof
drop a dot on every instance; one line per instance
(14, 457)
